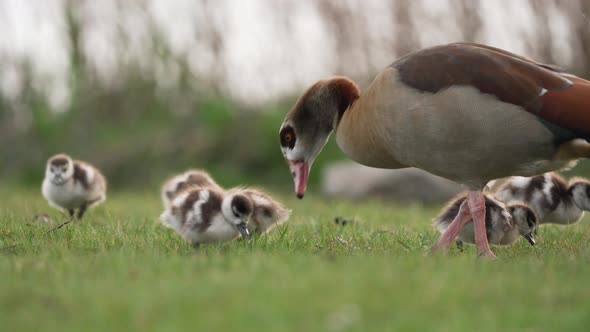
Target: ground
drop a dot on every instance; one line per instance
(118, 270)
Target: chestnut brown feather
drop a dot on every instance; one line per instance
(560, 99)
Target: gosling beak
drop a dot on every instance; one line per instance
(243, 229)
(529, 237)
(300, 173)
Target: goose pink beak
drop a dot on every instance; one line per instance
(300, 173)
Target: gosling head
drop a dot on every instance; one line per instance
(525, 219)
(237, 210)
(59, 169)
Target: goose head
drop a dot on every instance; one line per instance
(308, 125)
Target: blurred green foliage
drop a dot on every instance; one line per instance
(139, 135)
(137, 129)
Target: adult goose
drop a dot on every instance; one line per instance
(467, 112)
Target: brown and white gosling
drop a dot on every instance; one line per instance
(73, 184)
(180, 182)
(552, 199)
(206, 215)
(504, 224)
(268, 212)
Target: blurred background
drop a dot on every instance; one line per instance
(145, 88)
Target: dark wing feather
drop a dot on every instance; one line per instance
(557, 98)
(80, 176)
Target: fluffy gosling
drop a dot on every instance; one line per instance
(73, 184)
(504, 224)
(206, 215)
(551, 198)
(267, 212)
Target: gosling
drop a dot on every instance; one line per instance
(504, 224)
(207, 215)
(553, 200)
(73, 184)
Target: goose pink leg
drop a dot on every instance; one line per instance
(477, 207)
(473, 208)
(446, 239)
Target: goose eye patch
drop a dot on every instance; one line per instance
(288, 137)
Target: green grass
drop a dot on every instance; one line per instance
(119, 270)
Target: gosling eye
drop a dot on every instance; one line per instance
(236, 215)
